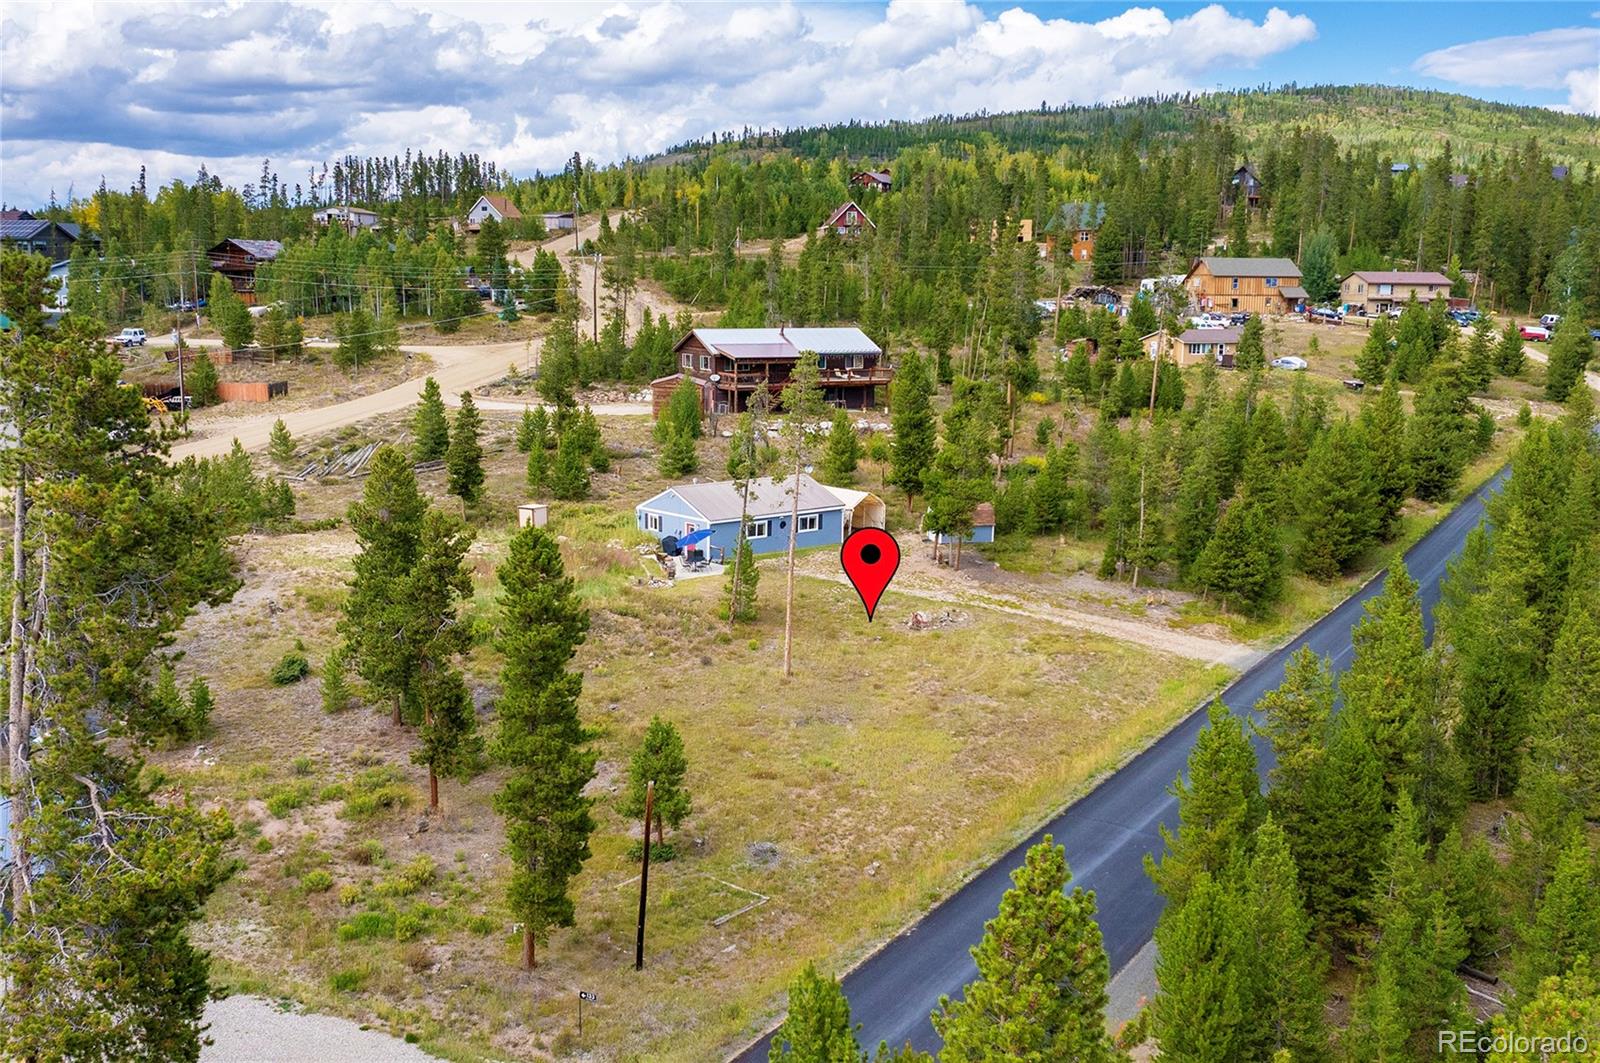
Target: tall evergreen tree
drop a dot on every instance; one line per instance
(1571, 350)
(1345, 822)
(281, 446)
(1383, 438)
(464, 458)
(1285, 968)
(1243, 561)
(1218, 807)
(429, 426)
(431, 593)
(817, 1028)
(1389, 684)
(1204, 977)
(843, 452)
(1437, 434)
(1372, 361)
(1567, 923)
(1042, 975)
(1251, 352)
(1337, 503)
(1508, 356)
(541, 739)
(569, 479)
(915, 430)
(1565, 733)
(387, 522)
(1295, 721)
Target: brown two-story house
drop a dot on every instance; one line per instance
(1257, 285)
(1376, 290)
(729, 365)
(237, 260)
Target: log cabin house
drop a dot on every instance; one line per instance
(1244, 185)
(1077, 223)
(1259, 285)
(875, 179)
(237, 260)
(729, 365)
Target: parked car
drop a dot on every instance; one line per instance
(1395, 311)
(1594, 334)
(1535, 332)
(1550, 321)
(1290, 362)
(1464, 317)
(1239, 318)
(1324, 313)
(1209, 321)
(131, 337)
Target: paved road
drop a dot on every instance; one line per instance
(1106, 833)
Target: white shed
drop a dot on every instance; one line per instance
(534, 513)
(863, 509)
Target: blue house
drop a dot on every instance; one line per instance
(825, 518)
(982, 528)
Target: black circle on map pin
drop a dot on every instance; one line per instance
(870, 557)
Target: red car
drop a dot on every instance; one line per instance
(1535, 332)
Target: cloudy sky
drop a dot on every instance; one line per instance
(92, 89)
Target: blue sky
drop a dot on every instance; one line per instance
(98, 89)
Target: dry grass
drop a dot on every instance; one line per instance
(914, 754)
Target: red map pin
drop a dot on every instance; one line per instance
(870, 558)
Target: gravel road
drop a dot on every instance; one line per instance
(248, 1029)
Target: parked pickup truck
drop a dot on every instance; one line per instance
(1535, 332)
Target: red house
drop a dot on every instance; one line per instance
(848, 220)
(878, 179)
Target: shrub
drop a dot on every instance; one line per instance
(408, 926)
(481, 924)
(302, 765)
(318, 881)
(291, 669)
(263, 845)
(286, 797)
(367, 925)
(373, 791)
(660, 852)
(409, 879)
(368, 852)
(334, 791)
(348, 980)
(349, 894)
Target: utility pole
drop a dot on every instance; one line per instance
(644, 873)
(594, 295)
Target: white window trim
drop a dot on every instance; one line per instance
(652, 521)
(800, 523)
(705, 361)
(758, 529)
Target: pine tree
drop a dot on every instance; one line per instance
(335, 691)
(434, 635)
(200, 705)
(591, 442)
(1243, 560)
(1077, 373)
(1565, 731)
(659, 759)
(1559, 1007)
(1415, 342)
(163, 714)
(1437, 435)
(1571, 350)
(1480, 361)
(742, 596)
(1042, 975)
(1218, 807)
(682, 414)
(1336, 502)
(431, 429)
(541, 740)
(843, 452)
(1372, 361)
(817, 1028)
(1508, 356)
(203, 381)
(1285, 967)
(1567, 924)
(1383, 438)
(569, 480)
(1495, 643)
(1251, 353)
(1204, 978)
(678, 457)
(533, 430)
(281, 445)
(1389, 684)
(387, 522)
(1295, 721)
(1345, 823)
(915, 431)
(464, 458)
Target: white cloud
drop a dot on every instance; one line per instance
(1562, 59)
(227, 84)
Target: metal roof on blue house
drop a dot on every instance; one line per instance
(688, 508)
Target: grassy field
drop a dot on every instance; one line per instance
(850, 796)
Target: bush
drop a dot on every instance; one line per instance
(408, 926)
(367, 925)
(349, 980)
(660, 852)
(291, 669)
(409, 879)
(368, 852)
(285, 798)
(481, 924)
(318, 881)
(349, 894)
(375, 790)
(302, 765)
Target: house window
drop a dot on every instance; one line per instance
(1236, 284)
(652, 522)
(757, 529)
(809, 522)
(1385, 289)
(688, 361)
(705, 361)
(1361, 289)
(1272, 282)
(1235, 303)
(856, 361)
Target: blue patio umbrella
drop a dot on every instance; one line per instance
(694, 537)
